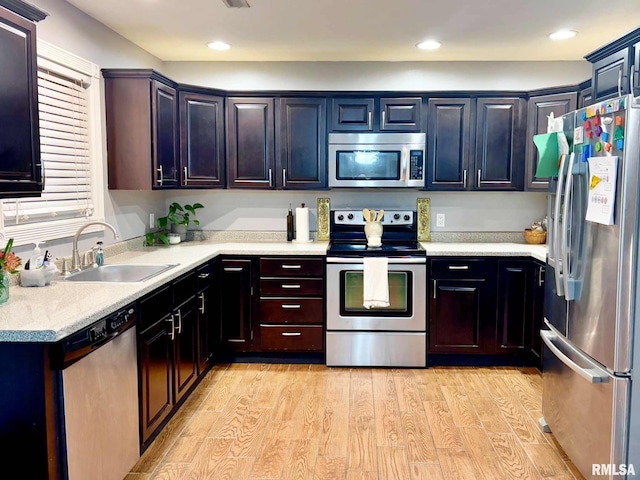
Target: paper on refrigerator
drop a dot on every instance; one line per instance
(603, 173)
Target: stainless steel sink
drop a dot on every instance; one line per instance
(120, 273)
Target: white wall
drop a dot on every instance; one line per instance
(383, 76)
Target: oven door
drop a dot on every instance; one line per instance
(407, 298)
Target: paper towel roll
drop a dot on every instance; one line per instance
(302, 224)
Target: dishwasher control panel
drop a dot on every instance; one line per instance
(119, 319)
(98, 331)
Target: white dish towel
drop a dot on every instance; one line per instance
(375, 282)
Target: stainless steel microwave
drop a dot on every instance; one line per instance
(377, 159)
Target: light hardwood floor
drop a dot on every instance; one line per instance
(256, 421)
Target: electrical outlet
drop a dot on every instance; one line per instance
(152, 220)
(440, 220)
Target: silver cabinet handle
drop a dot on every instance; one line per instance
(292, 307)
(479, 177)
(435, 287)
(369, 120)
(384, 120)
(232, 269)
(540, 276)
(458, 267)
(201, 297)
(161, 179)
(464, 178)
(631, 81)
(173, 327)
(179, 322)
(186, 175)
(592, 373)
(270, 179)
(292, 267)
(291, 334)
(284, 177)
(203, 275)
(290, 286)
(620, 82)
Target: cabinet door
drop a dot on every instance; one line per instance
(459, 316)
(514, 308)
(250, 143)
(448, 143)
(235, 305)
(201, 140)
(636, 70)
(585, 97)
(538, 110)
(610, 76)
(500, 133)
(537, 314)
(302, 140)
(352, 115)
(205, 327)
(155, 351)
(20, 167)
(401, 114)
(164, 130)
(185, 348)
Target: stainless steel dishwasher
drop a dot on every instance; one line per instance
(99, 399)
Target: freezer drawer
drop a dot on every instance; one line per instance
(376, 349)
(584, 406)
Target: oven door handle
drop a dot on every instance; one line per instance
(392, 260)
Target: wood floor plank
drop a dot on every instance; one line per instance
(331, 468)
(270, 461)
(249, 439)
(289, 400)
(489, 414)
(334, 435)
(230, 420)
(481, 453)
(428, 386)
(301, 461)
(425, 471)
(308, 418)
(420, 446)
(384, 386)
(270, 387)
(547, 461)
(522, 424)
(207, 459)
(362, 436)
(137, 476)
(408, 394)
(232, 468)
(447, 376)
(462, 411)
(455, 464)
(514, 460)
(524, 392)
(388, 423)
(474, 384)
(252, 379)
(393, 463)
(169, 471)
(445, 433)
(497, 386)
(223, 390)
(353, 475)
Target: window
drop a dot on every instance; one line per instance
(71, 149)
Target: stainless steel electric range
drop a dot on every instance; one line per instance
(394, 336)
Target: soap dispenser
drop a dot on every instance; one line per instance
(36, 258)
(99, 255)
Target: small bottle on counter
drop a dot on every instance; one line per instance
(289, 225)
(99, 255)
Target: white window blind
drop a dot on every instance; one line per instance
(64, 144)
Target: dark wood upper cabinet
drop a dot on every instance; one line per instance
(500, 145)
(401, 114)
(448, 143)
(302, 143)
(585, 97)
(20, 163)
(610, 75)
(201, 140)
(250, 143)
(514, 307)
(142, 126)
(352, 115)
(538, 110)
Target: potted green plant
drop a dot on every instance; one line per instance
(179, 218)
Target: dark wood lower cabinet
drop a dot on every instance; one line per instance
(537, 312)
(185, 349)
(236, 330)
(514, 313)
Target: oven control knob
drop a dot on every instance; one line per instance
(396, 216)
(340, 217)
(407, 217)
(350, 216)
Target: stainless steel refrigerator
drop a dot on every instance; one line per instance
(591, 396)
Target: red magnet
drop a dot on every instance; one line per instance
(587, 125)
(596, 120)
(618, 121)
(607, 147)
(590, 134)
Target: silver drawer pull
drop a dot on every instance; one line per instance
(203, 275)
(292, 267)
(291, 286)
(458, 267)
(291, 334)
(291, 307)
(232, 269)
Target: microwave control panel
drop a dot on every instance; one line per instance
(416, 169)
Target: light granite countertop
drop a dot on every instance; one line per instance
(51, 313)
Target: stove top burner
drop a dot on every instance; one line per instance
(404, 249)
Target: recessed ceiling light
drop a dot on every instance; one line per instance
(429, 45)
(219, 46)
(563, 34)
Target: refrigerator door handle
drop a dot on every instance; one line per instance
(556, 227)
(566, 226)
(593, 374)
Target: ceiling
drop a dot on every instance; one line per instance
(366, 30)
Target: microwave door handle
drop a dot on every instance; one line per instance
(556, 227)
(566, 228)
(405, 162)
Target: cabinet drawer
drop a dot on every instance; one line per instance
(291, 310)
(291, 267)
(291, 286)
(155, 307)
(292, 339)
(184, 289)
(461, 267)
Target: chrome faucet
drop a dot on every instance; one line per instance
(75, 255)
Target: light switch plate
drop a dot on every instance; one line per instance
(440, 220)
(152, 220)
